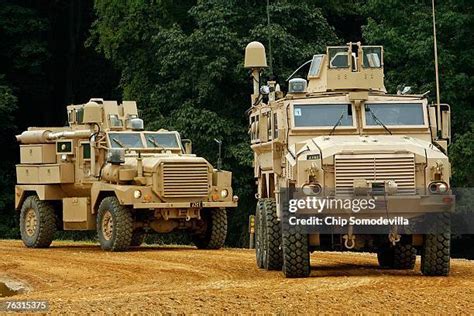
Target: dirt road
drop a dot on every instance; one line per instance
(79, 277)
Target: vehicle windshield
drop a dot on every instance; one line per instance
(317, 115)
(394, 114)
(125, 140)
(161, 140)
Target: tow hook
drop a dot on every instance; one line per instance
(349, 239)
(394, 237)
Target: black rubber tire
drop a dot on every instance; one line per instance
(436, 253)
(259, 233)
(400, 257)
(216, 230)
(273, 259)
(296, 259)
(385, 256)
(404, 257)
(138, 237)
(43, 235)
(122, 221)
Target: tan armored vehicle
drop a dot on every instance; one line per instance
(104, 172)
(337, 134)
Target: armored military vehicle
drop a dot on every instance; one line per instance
(338, 134)
(104, 172)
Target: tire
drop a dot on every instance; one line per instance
(114, 225)
(216, 230)
(37, 223)
(400, 256)
(259, 233)
(138, 237)
(385, 256)
(435, 256)
(404, 257)
(296, 261)
(272, 259)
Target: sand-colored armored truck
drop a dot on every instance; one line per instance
(337, 134)
(104, 172)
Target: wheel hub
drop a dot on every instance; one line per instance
(107, 225)
(31, 222)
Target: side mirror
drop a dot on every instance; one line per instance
(446, 122)
(116, 156)
(188, 146)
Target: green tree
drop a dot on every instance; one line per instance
(185, 69)
(405, 29)
(8, 104)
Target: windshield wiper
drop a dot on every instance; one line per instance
(337, 123)
(115, 140)
(154, 143)
(377, 120)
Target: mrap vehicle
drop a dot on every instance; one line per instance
(335, 134)
(104, 172)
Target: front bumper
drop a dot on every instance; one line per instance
(184, 205)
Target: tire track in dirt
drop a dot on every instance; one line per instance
(79, 277)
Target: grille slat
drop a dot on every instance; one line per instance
(399, 168)
(185, 179)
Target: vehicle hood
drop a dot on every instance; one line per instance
(151, 163)
(328, 146)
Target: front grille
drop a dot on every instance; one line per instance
(185, 179)
(397, 167)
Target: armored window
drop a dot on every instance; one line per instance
(338, 57)
(86, 151)
(161, 140)
(71, 117)
(115, 121)
(269, 126)
(372, 57)
(275, 125)
(394, 114)
(79, 115)
(322, 115)
(125, 140)
(315, 68)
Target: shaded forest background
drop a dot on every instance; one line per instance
(182, 61)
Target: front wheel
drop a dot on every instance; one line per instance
(435, 256)
(296, 259)
(37, 223)
(215, 232)
(114, 225)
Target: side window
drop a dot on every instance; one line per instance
(269, 126)
(254, 128)
(275, 125)
(86, 151)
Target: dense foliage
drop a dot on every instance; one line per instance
(183, 62)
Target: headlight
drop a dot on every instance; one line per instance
(224, 193)
(438, 187)
(137, 194)
(312, 189)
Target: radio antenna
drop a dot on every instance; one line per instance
(270, 64)
(438, 106)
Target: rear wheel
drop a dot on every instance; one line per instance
(273, 254)
(259, 233)
(215, 231)
(138, 237)
(37, 223)
(114, 225)
(400, 256)
(435, 256)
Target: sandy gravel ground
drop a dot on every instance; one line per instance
(80, 278)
